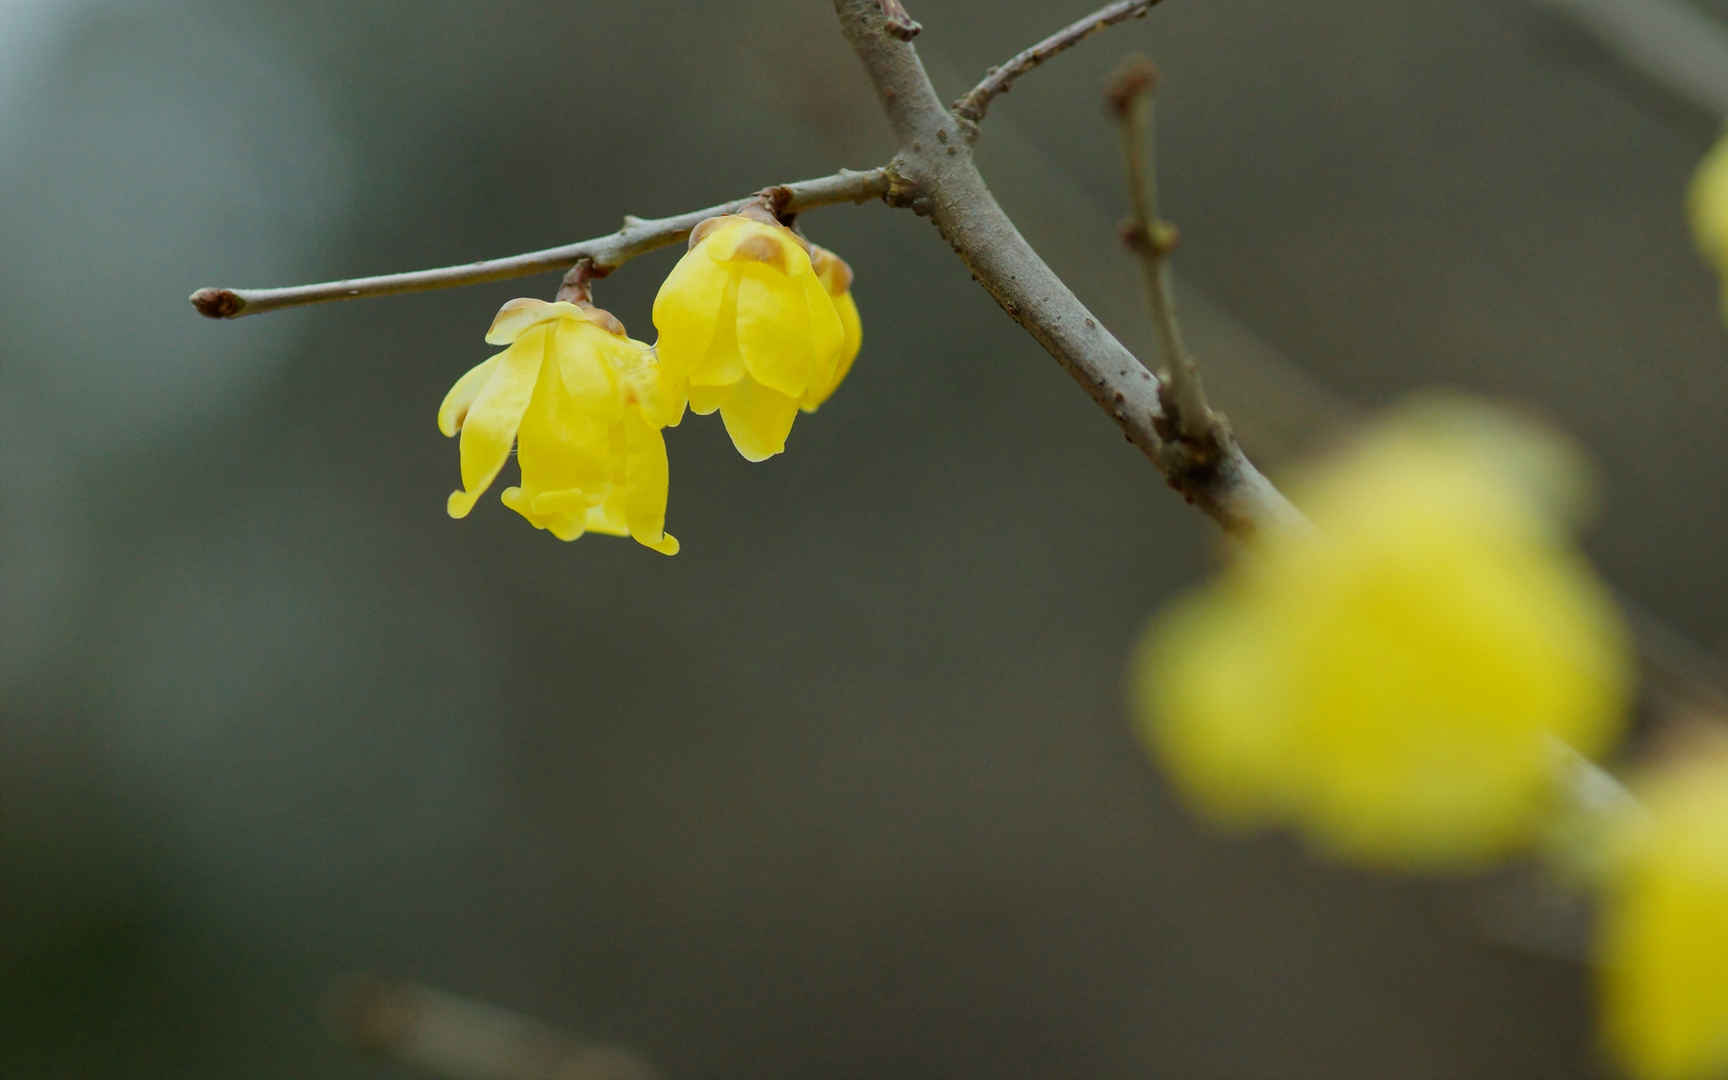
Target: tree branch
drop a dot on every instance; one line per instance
(1152, 240)
(603, 253)
(972, 105)
(1673, 44)
(466, 1040)
(936, 176)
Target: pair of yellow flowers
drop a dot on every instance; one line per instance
(753, 323)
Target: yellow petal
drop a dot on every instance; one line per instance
(552, 519)
(516, 316)
(758, 419)
(645, 383)
(705, 399)
(454, 408)
(853, 330)
(775, 336)
(1663, 931)
(687, 312)
(493, 418)
(582, 349)
(645, 487)
(722, 364)
(564, 448)
(828, 339)
(1207, 697)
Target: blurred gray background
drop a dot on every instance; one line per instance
(846, 788)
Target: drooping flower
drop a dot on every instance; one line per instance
(584, 405)
(1392, 683)
(1662, 959)
(744, 318)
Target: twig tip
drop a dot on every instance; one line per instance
(217, 303)
(1135, 77)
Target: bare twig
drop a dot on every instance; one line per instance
(1673, 44)
(603, 253)
(935, 175)
(972, 105)
(1152, 240)
(466, 1040)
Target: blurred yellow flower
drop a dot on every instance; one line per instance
(584, 404)
(1663, 948)
(744, 318)
(1393, 681)
(1707, 202)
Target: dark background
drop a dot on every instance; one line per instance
(846, 788)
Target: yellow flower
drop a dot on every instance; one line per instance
(745, 320)
(1663, 942)
(1707, 203)
(584, 404)
(1392, 682)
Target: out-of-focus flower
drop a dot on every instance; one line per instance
(1393, 681)
(1663, 948)
(744, 318)
(1707, 203)
(584, 405)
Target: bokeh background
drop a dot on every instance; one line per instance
(846, 788)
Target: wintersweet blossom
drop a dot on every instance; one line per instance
(1663, 948)
(1392, 682)
(584, 405)
(744, 318)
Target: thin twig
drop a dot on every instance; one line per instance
(1152, 239)
(605, 253)
(1673, 44)
(466, 1040)
(973, 104)
(935, 174)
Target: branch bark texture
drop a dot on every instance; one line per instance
(934, 173)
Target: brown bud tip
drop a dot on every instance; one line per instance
(602, 318)
(896, 23)
(762, 249)
(217, 303)
(1136, 76)
(760, 208)
(831, 269)
(706, 226)
(776, 199)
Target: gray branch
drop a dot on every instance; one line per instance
(604, 253)
(934, 173)
(998, 79)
